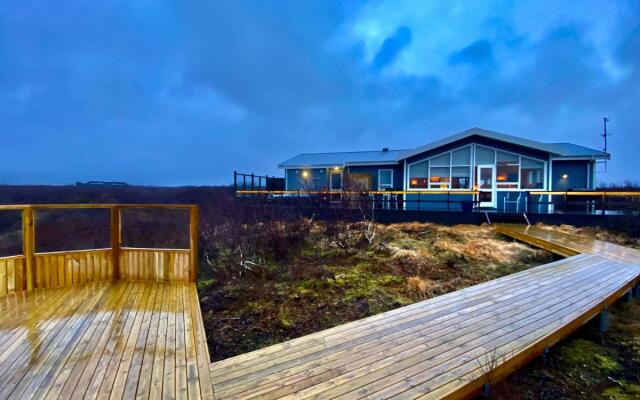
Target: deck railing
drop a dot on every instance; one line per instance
(543, 202)
(32, 269)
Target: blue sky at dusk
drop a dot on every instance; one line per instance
(182, 93)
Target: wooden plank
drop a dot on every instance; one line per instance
(200, 338)
(193, 378)
(194, 220)
(138, 349)
(115, 357)
(169, 381)
(383, 374)
(71, 363)
(20, 284)
(157, 373)
(154, 345)
(380, 322)
(135, 337)
(84, 363)
(11, 275)
(3, 278)
(28, 244)
(182, 391)
(25, 379)
(101, 371)
(116, 240)
(405, 339)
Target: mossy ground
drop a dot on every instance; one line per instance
(585, 365)
(338, 276)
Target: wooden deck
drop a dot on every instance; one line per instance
(104, 340)
(123, 339)
(446, 346)
(568, 244)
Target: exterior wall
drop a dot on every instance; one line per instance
(317, 179)
(372, 170)
(578, 175)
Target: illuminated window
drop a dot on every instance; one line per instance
(418, 175)
(460, 177)
(531, 174)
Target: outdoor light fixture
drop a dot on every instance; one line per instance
(565, 176)
(305, 174)
(336, 168)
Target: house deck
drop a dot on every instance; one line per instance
(445, 347)
(104, 340)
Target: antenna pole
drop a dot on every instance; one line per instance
(604, 135)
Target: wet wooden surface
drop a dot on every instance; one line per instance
(104, 340)
(446, 346)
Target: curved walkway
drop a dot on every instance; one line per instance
(448, 346)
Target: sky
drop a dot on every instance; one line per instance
(158, 92)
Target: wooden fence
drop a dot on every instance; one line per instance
(32, 269)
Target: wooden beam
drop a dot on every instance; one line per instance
(116, 241)
(194, 219)
(28, 246)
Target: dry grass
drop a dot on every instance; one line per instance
(339, 276)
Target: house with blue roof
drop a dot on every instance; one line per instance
(498, 167)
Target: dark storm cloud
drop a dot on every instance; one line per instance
(391, 47)
(184, 93)
(477, 53)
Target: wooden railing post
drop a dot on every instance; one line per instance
(28, 245)
(194, 219)
(116, 240)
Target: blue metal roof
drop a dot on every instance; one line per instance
(327, 160)
(342, 159)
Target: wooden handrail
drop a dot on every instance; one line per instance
(34, 269)
(85, 206)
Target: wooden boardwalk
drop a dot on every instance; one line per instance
(104, 340)
(446, 346)
(120, 339)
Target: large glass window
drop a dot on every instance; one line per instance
(485, 156)
(385, 179)
(439, 178)
(531, 174)
(461, 156)
(419, 175)
(452, 170)
(441, 161)
(460, 177)
(507, 167)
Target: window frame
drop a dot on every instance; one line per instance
(472, 170)
(385, 186)
(450, 166)
(519, 188)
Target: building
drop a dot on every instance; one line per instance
(501, 168)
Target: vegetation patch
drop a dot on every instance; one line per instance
(273, 281)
